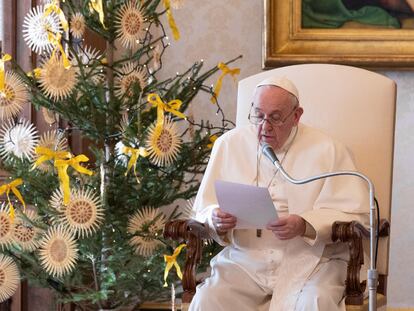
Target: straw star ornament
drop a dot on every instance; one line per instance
(58, 251)
(36, 28)
(9, 277)
(25, 234)
(163, 143)
(129, 74)
(13, 97)
(87, 58)
(18, 139)
(77, 25)
(130, 24)
(6, 228)
(82, 215)
(56, 81)
(145, 226)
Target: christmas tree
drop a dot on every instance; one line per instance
(89, 225)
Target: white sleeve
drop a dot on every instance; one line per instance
(206, 200)
(342, 198)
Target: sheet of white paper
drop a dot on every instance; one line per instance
(253, 206)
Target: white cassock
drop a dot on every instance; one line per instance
(265, 273)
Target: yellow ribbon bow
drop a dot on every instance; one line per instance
(172, 261)
(62, 167)
(55, 40)
(98, 7)
(35, 73)
(212, 140)
(134, 153)
(5, 58)
(54, 7)
(12, 187)
(171, 106)
(171, 21)
(225, 71)
(47, 154)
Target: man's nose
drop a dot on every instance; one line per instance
(266, 124)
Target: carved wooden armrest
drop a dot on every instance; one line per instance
(353, 233)
(192, 233)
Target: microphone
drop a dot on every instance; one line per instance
(267, 150)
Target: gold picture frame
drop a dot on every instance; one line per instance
(287, 43)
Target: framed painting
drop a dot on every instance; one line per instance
(365, 33)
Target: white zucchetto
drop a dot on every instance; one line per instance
(283, 83)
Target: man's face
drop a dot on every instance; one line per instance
(274, 103)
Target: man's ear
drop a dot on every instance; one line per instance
(298, 114)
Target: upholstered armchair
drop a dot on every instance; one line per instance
(356, 107)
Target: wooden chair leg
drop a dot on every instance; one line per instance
(353, 233)
(192, 233)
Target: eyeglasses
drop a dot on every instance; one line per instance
(275, 119)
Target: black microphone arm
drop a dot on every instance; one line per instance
(372, 276)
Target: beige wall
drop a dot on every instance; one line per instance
(218, 30)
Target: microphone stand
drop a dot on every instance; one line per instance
(372, 276)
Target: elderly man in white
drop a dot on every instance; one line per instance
(293, 265)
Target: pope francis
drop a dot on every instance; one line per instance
(293, 265)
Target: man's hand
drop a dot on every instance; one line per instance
(222, 221)
(287, 227)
